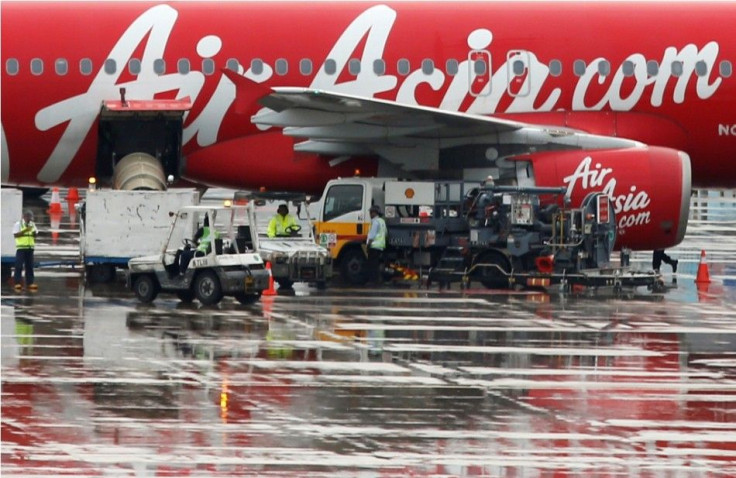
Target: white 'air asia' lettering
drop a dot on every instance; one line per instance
(370, 31)
(632, 206)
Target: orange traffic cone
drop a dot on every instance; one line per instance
(703, 276)
(271, 289)
(72, 194)
(55, 205)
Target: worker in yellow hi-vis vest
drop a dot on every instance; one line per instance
(283, 224)
(25, 232)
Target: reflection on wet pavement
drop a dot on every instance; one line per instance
(386, 382)
(364, 383)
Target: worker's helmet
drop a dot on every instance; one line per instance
(28, 213)
(283, 207)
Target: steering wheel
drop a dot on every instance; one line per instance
(293, 230)
(188, 242)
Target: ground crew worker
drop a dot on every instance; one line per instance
(376, 245)
(659, 256)
(25, 232)
(205, 236)
(282, 223)
(202, 238)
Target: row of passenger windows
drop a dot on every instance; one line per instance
(403, 67)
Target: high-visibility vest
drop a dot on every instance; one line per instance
(379, 242)
(207, 236)
(279, 224)
(27, 240)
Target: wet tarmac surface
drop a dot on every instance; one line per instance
(396, 381)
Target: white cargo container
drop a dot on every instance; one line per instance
(116, 226)
(12, 209)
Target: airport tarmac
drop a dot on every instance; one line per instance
(396, 381)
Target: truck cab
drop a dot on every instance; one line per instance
(342, 222)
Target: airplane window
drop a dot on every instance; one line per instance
(427, 66)
(256, 66)
(305, 66)
(354, 66)
(85, 66)
(159, 66)
(232, 64)
(452, 67)
(379, 67)
(676, 68)
(701, 68)
(61, 66)
(330, 66)
(518, 67)
(579, 67)
(12, 66)
(37, 66)
(726, 69)
(403, 66)
(111, 66)
(628, 68)
(652, 68)
(183, 66)
(555, 67)
(208, 66)
(134, 66)
(604, 68)
(282, 66)
(479, 67)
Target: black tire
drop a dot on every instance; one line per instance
(207, 288)
(285, 283)
(100, 273)
(493, 274)
(247, 299)
(353, 267)
(186, 296)
(146, 288)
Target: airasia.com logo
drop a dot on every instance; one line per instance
(632, 207)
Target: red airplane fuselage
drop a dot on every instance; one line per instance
(49, 118)
(658, 73)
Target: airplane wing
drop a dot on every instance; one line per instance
(411, 137)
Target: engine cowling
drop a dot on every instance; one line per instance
(649, 186)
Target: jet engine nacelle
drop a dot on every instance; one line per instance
(139, 171)
(649, 186)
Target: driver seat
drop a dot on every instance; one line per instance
(244, 240)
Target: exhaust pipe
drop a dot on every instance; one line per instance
(139, 171)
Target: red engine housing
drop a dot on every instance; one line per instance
(649, 186)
